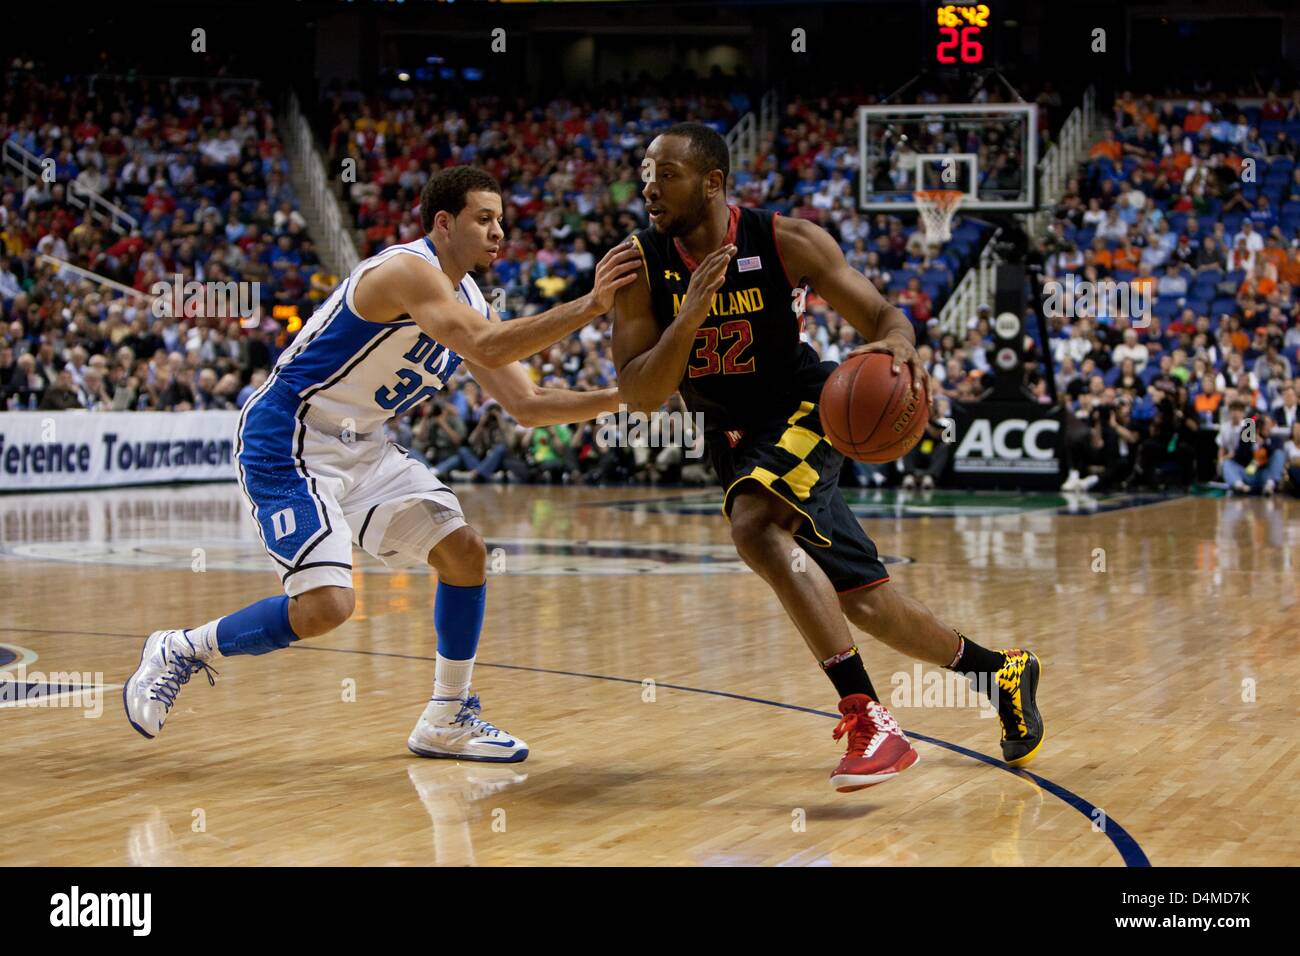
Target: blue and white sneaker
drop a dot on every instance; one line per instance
(166, 662)
(453, 730)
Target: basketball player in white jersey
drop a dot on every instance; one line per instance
(319, 476)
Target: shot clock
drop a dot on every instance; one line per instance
(963, 35)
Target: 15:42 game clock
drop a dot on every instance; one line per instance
(964, 35)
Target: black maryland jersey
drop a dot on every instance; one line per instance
(747, 362)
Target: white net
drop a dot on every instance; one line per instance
(937, 208)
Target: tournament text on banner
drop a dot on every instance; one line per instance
(43, 451)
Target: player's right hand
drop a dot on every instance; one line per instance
(705, 282)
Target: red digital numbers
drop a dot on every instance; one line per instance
(965, 41)
(959, 31)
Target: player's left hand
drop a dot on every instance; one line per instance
(618, 268)
(897, 345)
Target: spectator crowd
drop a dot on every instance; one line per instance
(1198, 203)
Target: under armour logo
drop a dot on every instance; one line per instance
(670, 274)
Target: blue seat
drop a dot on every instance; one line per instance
(1167, 306)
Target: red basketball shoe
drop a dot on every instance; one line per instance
(877, 752)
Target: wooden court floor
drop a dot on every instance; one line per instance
(673, 714)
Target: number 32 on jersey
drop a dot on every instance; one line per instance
(718, 349)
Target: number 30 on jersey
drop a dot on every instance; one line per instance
(409, 389)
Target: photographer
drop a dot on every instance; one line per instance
(605, 452)
(489, 448)
(550, 455)
(928, 459)
(440, 435)
(1110, 441)
(1171, 441)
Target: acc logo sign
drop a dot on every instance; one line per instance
(985, 440)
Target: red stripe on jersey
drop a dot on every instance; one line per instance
(732, 223)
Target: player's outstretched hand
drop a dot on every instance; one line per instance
(903, 351)
(705, 282)
(616, 269)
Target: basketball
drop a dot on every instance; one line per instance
(870, 414)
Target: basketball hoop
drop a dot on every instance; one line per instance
(937, 207)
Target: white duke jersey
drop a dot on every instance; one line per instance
(345, 367)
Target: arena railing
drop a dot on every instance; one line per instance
(320, 204)
(64, 265)
(742, 141)
(30, 168)
(975, 289)
(751, 130)
(1062, 158)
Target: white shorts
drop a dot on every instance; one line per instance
(314, 495)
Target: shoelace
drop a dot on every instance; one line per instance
(864, 728)
(469, 715)
(169, 685)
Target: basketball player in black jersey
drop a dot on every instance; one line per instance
(711, 316)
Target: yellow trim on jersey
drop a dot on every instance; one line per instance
(645, 264)
(766, 478)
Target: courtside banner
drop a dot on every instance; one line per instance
(1013, 445)
(45, 451)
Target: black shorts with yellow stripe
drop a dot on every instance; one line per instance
(790, 457)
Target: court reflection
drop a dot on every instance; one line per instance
(459, 798)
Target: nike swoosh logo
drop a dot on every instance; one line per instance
(498, 743)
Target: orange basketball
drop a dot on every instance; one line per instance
(869, 413)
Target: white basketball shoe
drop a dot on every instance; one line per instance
(453, 730)
(166, 662)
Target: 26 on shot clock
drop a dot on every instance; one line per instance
(964, 35)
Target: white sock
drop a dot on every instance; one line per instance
(202, 640)
(451, 678)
